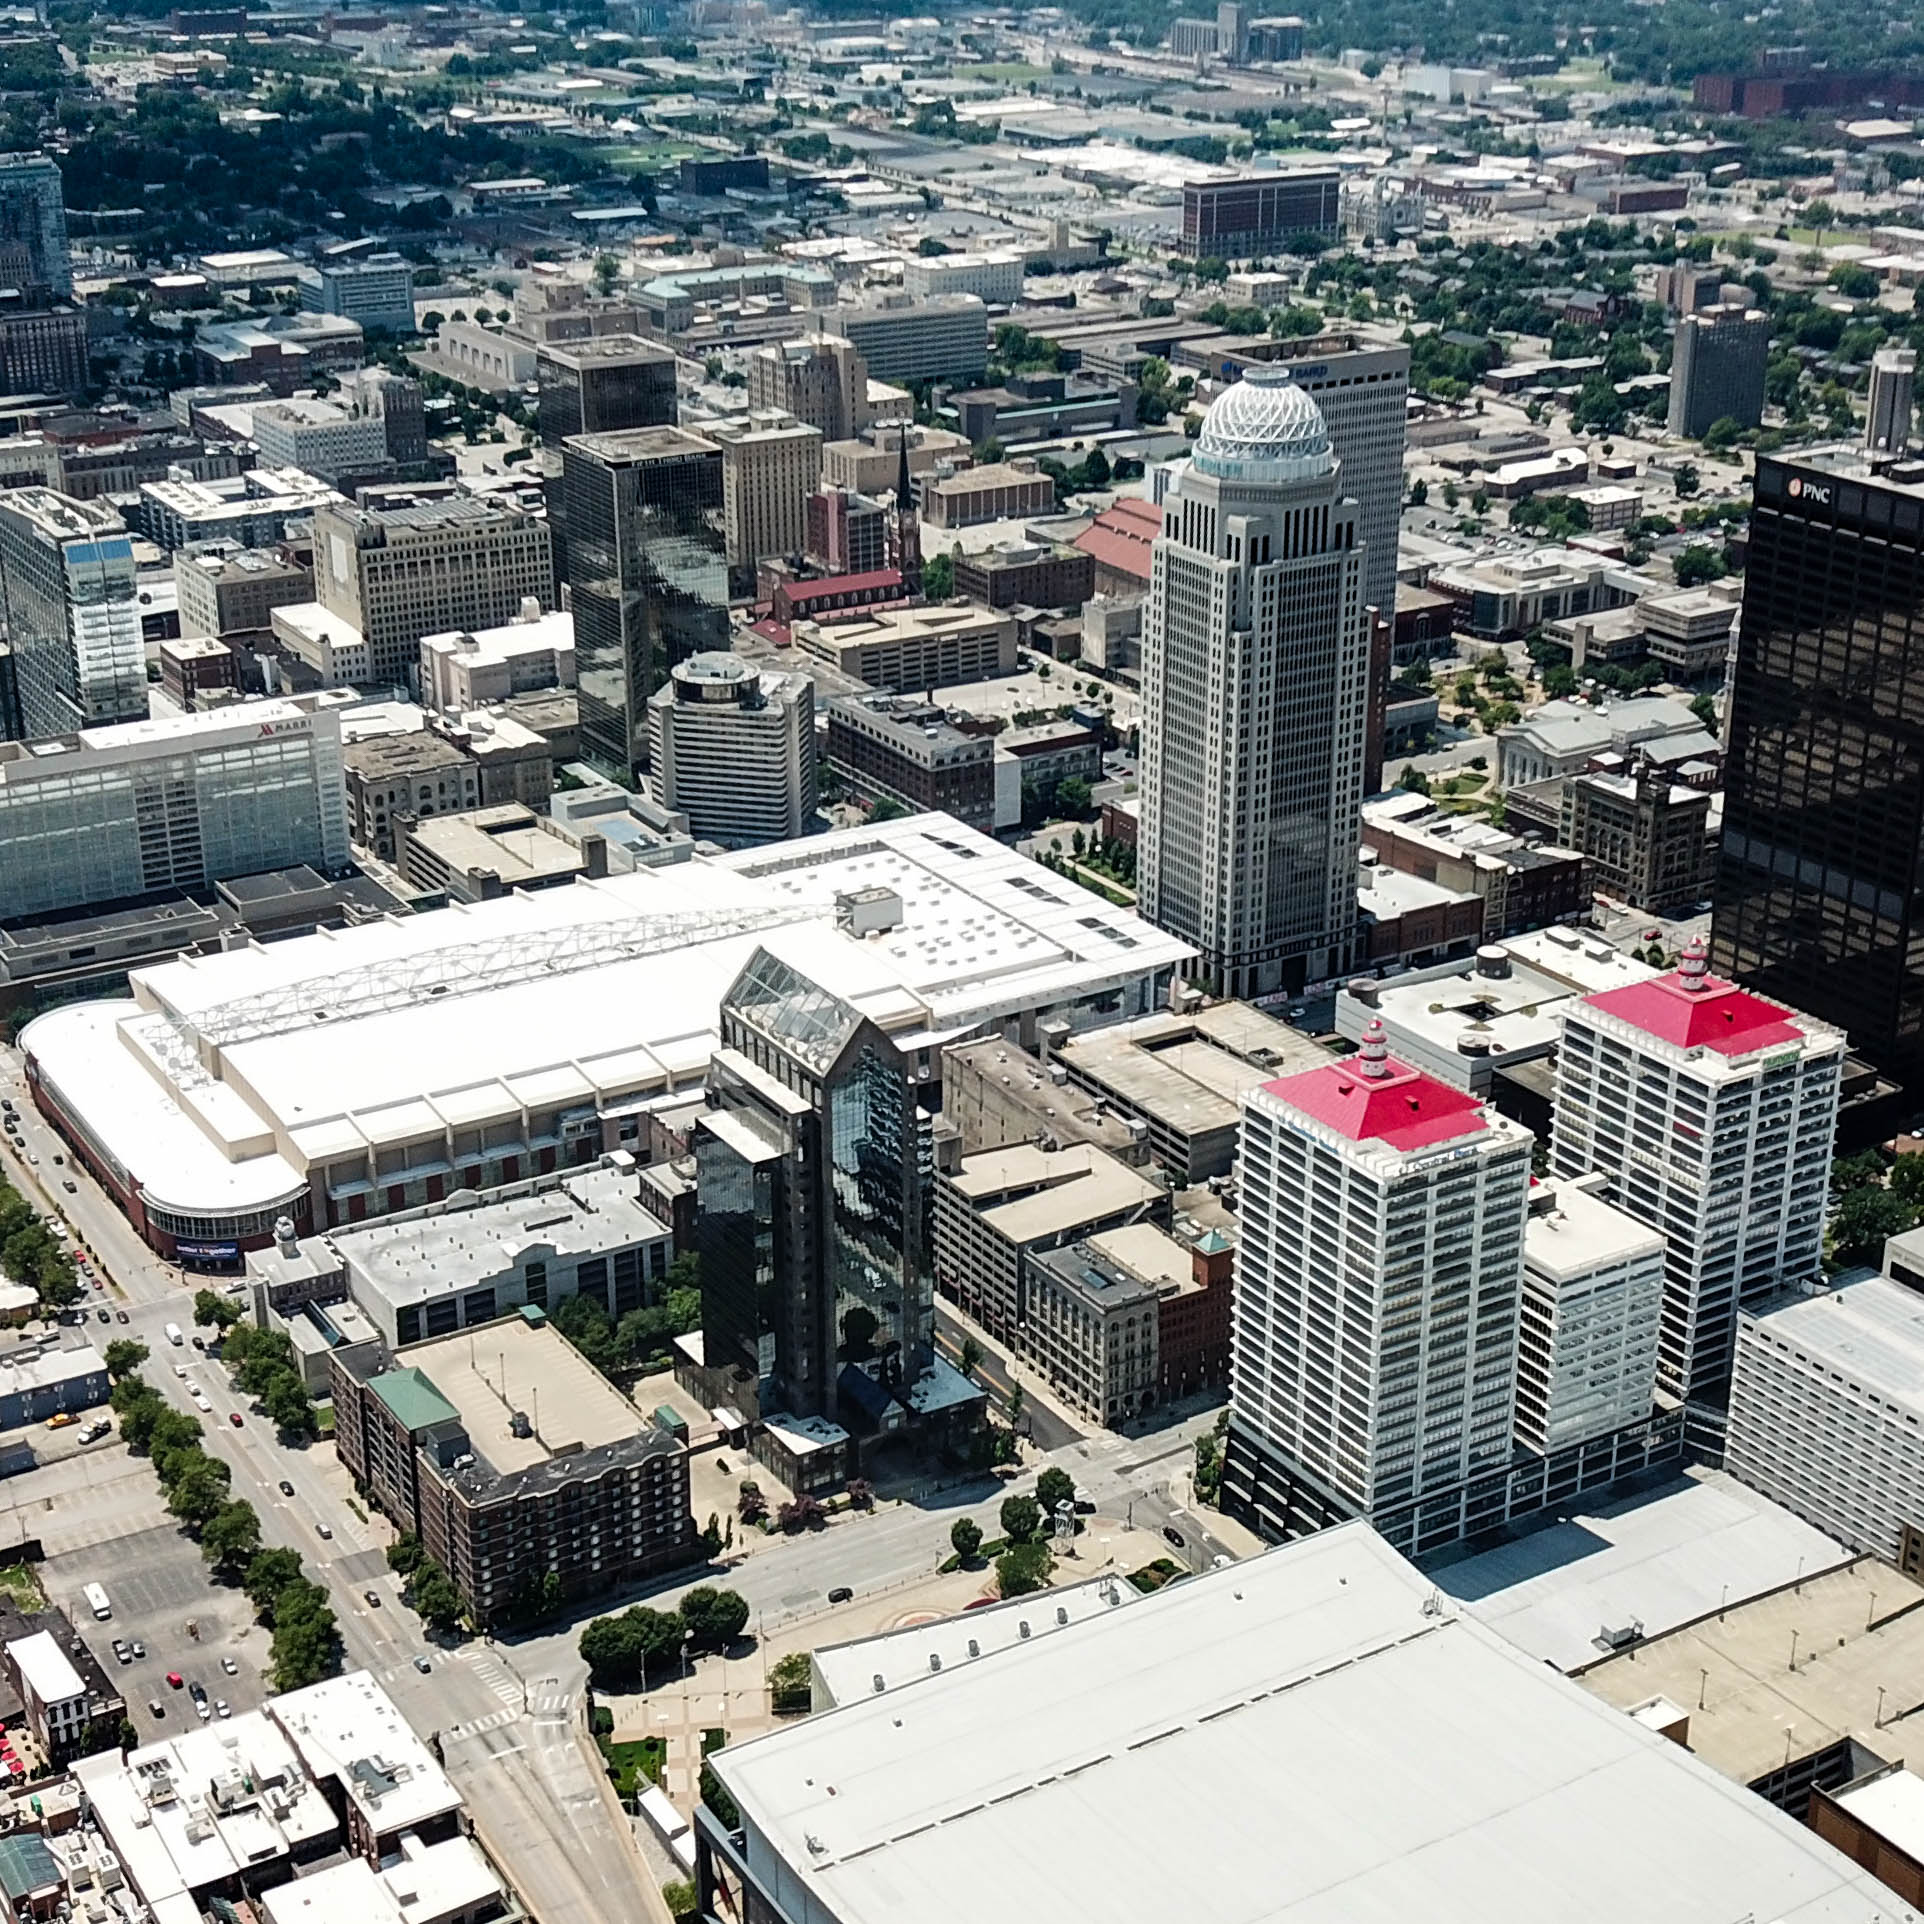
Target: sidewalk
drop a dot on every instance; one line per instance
(1035, 1384)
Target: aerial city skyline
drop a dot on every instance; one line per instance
(917, 929)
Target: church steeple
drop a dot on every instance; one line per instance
(908, 532)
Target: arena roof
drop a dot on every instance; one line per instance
(231, 1075)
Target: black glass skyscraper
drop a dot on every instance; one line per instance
(1818, 885)
(647, 576)
(814, 1162)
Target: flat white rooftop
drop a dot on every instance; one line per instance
(231, 1075)
(348, 1728)
(1663, 1558)
(1312, 1736)
(1870, 1332)
(1572, 1233)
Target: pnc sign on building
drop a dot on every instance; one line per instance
(1813, 494)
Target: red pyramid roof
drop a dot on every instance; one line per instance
(1718, 1016)
(1404, 1109)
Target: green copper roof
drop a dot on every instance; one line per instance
(415, 1403)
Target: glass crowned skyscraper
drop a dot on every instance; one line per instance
(815, 1168)
(1255, 666)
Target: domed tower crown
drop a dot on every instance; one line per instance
(1264, 428)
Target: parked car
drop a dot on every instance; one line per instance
(220, 1707)
(325, 1531)
(174, 1679)
(287, 1489)
(1174, 1535)
(66, 1183)
(422, 1665)
(373, 1597)
(229, 1665)
(120, 1315)
(157, 1707)
(841, 1594)
(139, 1649)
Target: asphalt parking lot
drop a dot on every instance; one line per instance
(157, 1583)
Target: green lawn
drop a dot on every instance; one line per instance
(630, 1765)
(1152, 1576)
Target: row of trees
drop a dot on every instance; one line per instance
(261, 1363)
(426, 1588)
(30, 1255)
(628, 1650)
(306, 1638)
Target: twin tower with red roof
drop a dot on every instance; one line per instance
(1381, 1279)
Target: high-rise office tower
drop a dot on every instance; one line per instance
(1255, 666)
(822, 380)
(814, 1171)
(1377, 1293)
(1711, 1113)
(1717, 369)
(771, 464)
(110, 813)
(602, 386)
(599, 384)
(398, 573)
(733, 749)
(1821, 871)
(72, 610)
(647, 573)
(1893, 391)
(33, 227)
(1361, 389)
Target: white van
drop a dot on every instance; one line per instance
(97, 1601)
(173, 1334)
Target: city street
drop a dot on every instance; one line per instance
(507, 1724)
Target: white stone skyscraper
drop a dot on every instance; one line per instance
(1255, 686)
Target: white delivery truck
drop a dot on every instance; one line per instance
(173, 1334)
(97, 1601)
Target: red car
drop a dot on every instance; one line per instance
(173, 1678)
(233, 1416)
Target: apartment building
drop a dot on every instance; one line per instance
(1712, 1113)
(1827, 1411)
(1378, 1295)
(908, 649)
(1592, 1305)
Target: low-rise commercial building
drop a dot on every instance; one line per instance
(999, 491)
(1120, 541)
(482, 853)
(320, 648)
(1001, 1205)
(417, 774)
(1180, 1078)
(197, 672)
(1827, 1411)
(284, 351)
(911, 649)
(1027, 572)
(1502, 598)
(523, 1471)
(1464, 1021)
(471, 1259)
(903, 749)
(1523, 885)
(1689, 632)
(464, 671)
(71, 1707)
(1649, 841)
(229, 592)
